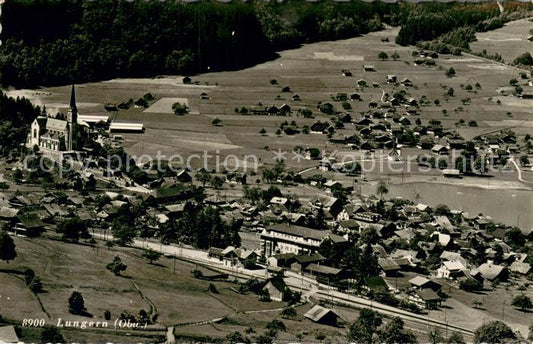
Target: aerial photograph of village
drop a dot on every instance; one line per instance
(266, 171)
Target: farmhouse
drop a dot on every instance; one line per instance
(322, 315)
(369, 68)
(439, 149)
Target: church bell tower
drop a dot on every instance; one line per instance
(72, 118)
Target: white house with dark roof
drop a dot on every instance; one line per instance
(287, 238)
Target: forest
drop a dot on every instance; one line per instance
(51, 42)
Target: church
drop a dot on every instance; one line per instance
(54, 135)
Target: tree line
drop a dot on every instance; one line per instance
(67, 41)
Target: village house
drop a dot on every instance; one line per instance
(286, 238)
(322, 315)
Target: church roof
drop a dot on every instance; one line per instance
(56, 124)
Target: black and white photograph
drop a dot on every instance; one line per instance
(266, 171)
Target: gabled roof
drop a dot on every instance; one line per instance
(317, 313)
(8, 213)
(8, 334)
(299, 231)
(428, 295)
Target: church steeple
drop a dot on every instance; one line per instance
(73, 100)
(72, 119)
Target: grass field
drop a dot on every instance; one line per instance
(509, 41)
(178, 298)
(314, 73)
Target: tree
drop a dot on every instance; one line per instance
(394, 332)
(288, 312)
(382, 189)
(395, 56)
(72, 229)
(383, 56)
(276, 325)
(435, 336)
(217, 182)
(450, 72)
(7, 247)
(235, 337)
(180, 109)
(524, 59)
(365, 327)
(151, 255)
(212, 288)
(262, 131)
(123, 232)
(36, 286)
(470, 284)
(76, 303)
(493, 332)
(522, 302)
(116, 266)
(51, 334)
(524, 160)
(203, 176)
(216, 122)
(451, 92)
(456, 338)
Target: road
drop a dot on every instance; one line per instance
(519, 171)
(309, 287)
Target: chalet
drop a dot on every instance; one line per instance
(183, 176)
(302, 261)
(286, 238)
(373, 104)
(346, 72)
(8, 214)
(389, 266)
(428, 297)
(521, 268)
(296, 98)
(347, 226)
(272, 110)
(281, 202)
(457, 143)
(406, 82)
(412, 102)
(405, 121)
(28, 225)
(391, 79)
(319, 128)
(451, 270)
(369, 68)
(285, 108)
(355, 96)
(345, 118)
(330, 204)
(491, 272)
(204, 96)
(322, 315)
(439, 149)
(420, 282)
(281, 260)
(325, 272)
(276, 288)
